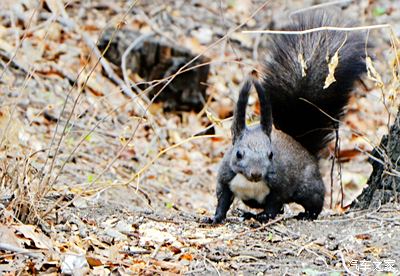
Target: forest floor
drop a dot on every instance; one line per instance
(90, 185)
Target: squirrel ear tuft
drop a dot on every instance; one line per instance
(239, 117)
(265, 107)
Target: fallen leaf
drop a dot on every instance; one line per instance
(75, 264)
(333, 63)
(39, 239)
(186, 256)
(7, 236)
(363, 236)
(93, 261)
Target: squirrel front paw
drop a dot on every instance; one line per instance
(263, 217)
(247, 215)
(214, 220)
(306, 216)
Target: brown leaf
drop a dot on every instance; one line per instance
(175, 249)
(217, 139)
(93, 261)
(341, 209)
(7, 236)
(39, 239)
(363, 236)
(348, 154)
(186, 256)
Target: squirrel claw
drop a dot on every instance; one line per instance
(247, 215)
(263, 217)
(306, 216)
(213, 220)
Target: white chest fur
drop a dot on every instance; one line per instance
(246, 190)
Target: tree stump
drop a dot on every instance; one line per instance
(384, 181)
(154, 58)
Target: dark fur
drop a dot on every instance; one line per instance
(291, 172)
(283, 79)
(285, 160)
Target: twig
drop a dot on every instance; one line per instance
(163, 220)
(69, 23)
(344, 263)
(320, 6)
(135, 252)
(265, 225)
(352, 130)
(21, 40)
(153, 26)
(132, 46)
(30, 253)
(324, 28)
(213, 265)
(156, 250)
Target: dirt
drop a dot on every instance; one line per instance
(90, 187)
(357, 242)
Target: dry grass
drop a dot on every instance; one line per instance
(74, 134)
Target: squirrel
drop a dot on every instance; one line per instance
(268, 166)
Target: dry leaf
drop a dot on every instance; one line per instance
(93, 261)
(303, 65)
(11, 128)
(373, 250)
(7, 236)
(363, 236)
(217, 139)
(373, 74)
(186, 256)
(174, 249)
(57, 7)
(216, 121)
(74, 264)
(348, 154)
(39, 239)
(333, 63)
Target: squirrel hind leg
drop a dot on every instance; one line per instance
(312, 204)
(272, 207)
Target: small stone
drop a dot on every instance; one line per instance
(331, 237)
(333, 246)
(319, 261)
(320, 241)
(203, 35)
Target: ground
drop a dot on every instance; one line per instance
(91, 185)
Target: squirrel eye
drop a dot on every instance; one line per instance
(271, 155)
(239, 155)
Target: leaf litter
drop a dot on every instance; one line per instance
(68, 209)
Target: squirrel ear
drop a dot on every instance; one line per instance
(239, 117)
(265, 107)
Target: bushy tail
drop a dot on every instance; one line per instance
(298, 98)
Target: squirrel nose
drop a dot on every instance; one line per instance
(255, 175)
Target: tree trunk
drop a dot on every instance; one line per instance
(384, 182)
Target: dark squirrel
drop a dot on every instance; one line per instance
(267, 167)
